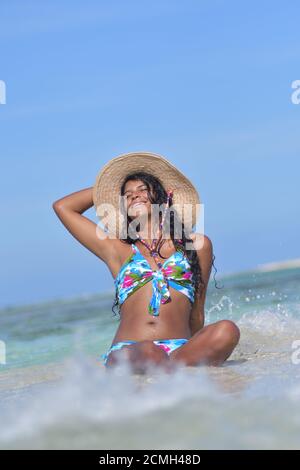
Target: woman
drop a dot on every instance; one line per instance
(160, 279)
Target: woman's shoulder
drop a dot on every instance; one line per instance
(202, 243)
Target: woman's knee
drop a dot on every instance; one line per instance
(227, 331)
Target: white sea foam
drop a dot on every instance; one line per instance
(90, 394)
(51, 399)
(90, 408)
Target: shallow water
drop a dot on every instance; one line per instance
(56, 394)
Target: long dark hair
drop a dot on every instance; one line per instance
(159, 197)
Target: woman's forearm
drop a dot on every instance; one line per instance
(197, 322)
(79, 201)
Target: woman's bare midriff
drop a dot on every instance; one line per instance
(137, 324)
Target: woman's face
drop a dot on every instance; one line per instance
(136, 197)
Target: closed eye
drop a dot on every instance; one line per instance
(129, 193)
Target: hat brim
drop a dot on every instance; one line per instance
(107, 187)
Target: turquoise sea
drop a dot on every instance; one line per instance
(56, 394)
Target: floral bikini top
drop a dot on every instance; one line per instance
(136, 272)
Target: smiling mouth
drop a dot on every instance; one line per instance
(137, 204)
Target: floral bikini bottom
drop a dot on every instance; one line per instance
(168, 345)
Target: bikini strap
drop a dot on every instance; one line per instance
(134, 247)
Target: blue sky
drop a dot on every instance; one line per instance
(207, 84)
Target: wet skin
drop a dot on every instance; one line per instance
(210, 345)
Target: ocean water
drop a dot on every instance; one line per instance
(56, 394)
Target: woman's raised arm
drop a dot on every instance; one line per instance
(69, 210)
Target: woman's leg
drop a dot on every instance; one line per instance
(139, 355)
(115, 347)
(212, 345)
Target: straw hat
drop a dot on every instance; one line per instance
(107, 187)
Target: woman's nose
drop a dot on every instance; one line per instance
(136, 193)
